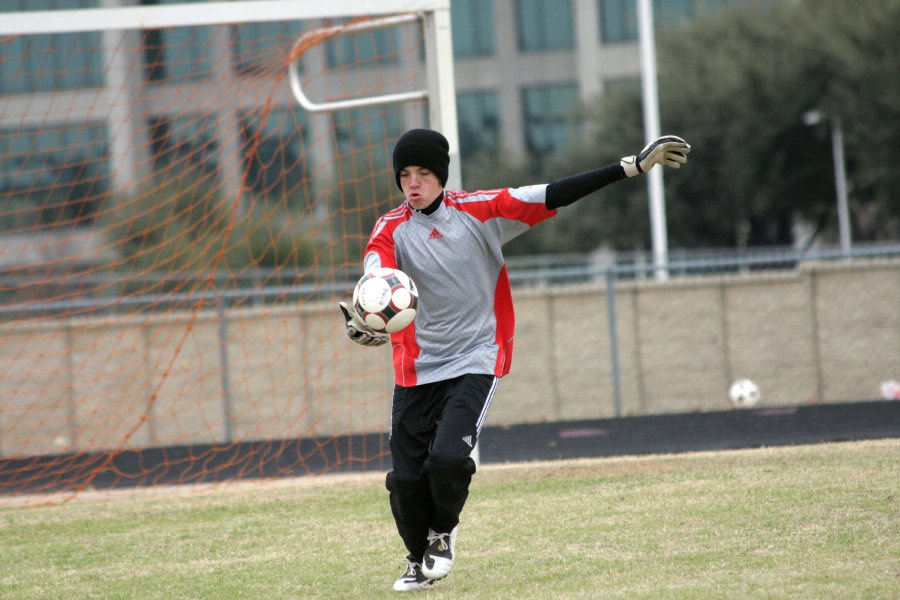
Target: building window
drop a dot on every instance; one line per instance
(49, 62)
(177, 54)
(263, 47)
(185, 142)
(53, 176)
(278, 167)
(380, 47)
(619, 20)
(478, 118)
(359, 130)
(363, 140)
(550, 116)
(545, 25)
(473, 28)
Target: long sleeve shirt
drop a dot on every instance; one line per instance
(465, 320)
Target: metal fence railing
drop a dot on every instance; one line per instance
(28, 296)
(570, 268)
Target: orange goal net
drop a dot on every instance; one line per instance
(175, 233)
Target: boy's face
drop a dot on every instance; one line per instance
(420, 186)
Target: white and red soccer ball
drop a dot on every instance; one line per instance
(386, 299)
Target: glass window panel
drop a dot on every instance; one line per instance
(258, 46)
(279, 165)
(550, 116)
(618, 21)
(40, 62)
(358, 129)
(48, 62)
(187, 140)
(177, 53)
(363, 140)
(473, 27)
(53, 176)
(529, 21)
(13, 66)
(80, 60)
(545, 25)
(364, 49)
(186, 51)
(46, 140)
(559, 25)
(478, 118)
(33, 5)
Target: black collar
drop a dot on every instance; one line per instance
(433, 206)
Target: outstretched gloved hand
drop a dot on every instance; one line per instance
(668, 150)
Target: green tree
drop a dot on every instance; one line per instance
(736, 84)
(866, 95)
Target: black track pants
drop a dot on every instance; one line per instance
(434, 428)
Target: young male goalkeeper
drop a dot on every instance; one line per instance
(449, 361)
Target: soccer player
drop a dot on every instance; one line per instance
(449, 361)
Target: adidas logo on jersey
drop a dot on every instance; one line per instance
(468, 440)
(435, 234)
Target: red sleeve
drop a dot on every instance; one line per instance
(490, 204)
(532, 213)
(381, 241)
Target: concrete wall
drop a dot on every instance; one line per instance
(822, 333)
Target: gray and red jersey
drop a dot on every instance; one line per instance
(465, 321)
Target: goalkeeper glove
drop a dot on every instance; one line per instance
(669, 150)
(358, 331)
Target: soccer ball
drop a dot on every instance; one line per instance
(386, 299)
(744, 393)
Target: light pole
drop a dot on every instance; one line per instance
(814, 117)
(658, 227)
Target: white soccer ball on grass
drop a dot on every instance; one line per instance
(386, 299)
(743, 393)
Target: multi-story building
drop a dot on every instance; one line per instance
(521, 67)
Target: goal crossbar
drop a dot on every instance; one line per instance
(211, 13)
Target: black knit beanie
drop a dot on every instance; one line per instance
(422, 148)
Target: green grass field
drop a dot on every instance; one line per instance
(819, 521)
